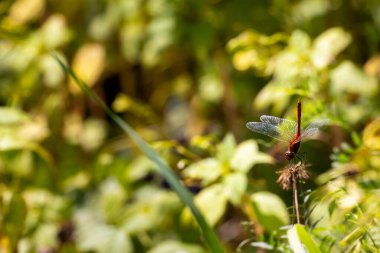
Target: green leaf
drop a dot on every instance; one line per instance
(112, 200)
(153, 209)
(139, 168)
(102, 238)
(209, 235)
(305, 11)
(207, 170)
(14, 218)
(15, 211)
(271, 94)
(11, 116)
(348, 78)
(352, 237)
(328, 45)
(299, 41)
(234, 186)
(45, 235)
(161, 36)
(226, 148)
(211, 88)
(212, 202)
(270, 210)
(246, 155)
(301, 241)
(174, 246)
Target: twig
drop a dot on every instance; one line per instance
(295, 198)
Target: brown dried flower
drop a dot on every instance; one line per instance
(292, 172)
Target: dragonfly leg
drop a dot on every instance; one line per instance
(301, 157)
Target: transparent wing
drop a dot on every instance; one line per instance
(287, 128)
(313, 128)
(266, 129)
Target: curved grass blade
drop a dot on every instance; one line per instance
(209, 235)
(301, 241)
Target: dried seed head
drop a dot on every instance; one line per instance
(290, 172)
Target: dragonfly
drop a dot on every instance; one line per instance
(286, 130)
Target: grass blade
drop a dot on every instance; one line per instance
(209, 235)
(301, 241)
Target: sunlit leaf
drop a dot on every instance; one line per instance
(23, 11)
(206, 170)
(153, 209)
(211, 88)
(328, 45)
(372, 66)
(38, 200)
(212, 203)
(72, 128)
(355, 235)
(138, 169)
(88, 63)
(309, 9)
(254, 50)
(111, 201)
(288, 65)
(45, 236)
(301, 241)
(17, 131)
(246, 155)
(371, 135)
(18, 163)
(270, 210)
(52, 74)
(234, 186)
(160, 38)
(226, 149)
(34, 130)
(204, 142)
(348, 78)
(102, 238)
(54, 32)
(271, 95)
(93, 135)
(131, 37)
(10, 116)
(300, 41)
(78, 181)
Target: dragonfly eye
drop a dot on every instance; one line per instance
(289, 155)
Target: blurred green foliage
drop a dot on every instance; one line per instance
(187, 75)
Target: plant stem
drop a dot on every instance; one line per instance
(295, 198)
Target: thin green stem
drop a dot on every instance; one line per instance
(295, 198)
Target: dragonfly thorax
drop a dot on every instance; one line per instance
(293, 149)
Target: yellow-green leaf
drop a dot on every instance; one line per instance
(270, 210)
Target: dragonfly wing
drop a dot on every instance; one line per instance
(309, 132)
(318, 123)
(276, 120)
(313, 128)
(266, 129)
(287, 128)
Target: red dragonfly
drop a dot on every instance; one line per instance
(286, 130)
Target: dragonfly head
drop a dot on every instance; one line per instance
(289, 155)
